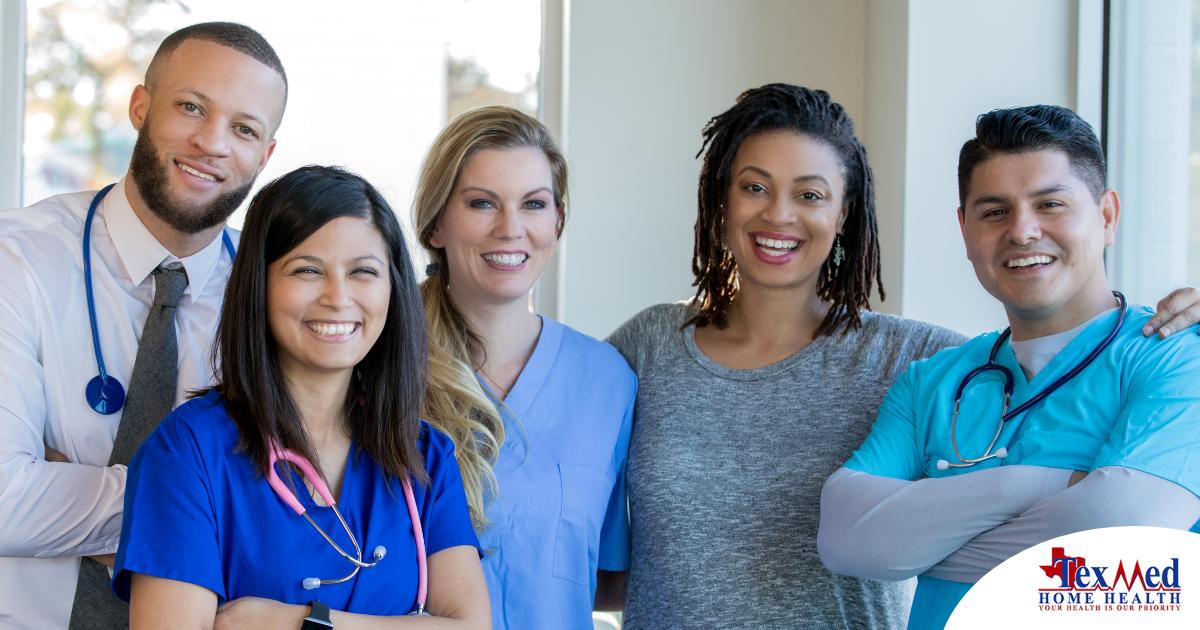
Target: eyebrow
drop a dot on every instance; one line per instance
(802, 178)
(495, 196)
(1049, 190)
(200, 96)
(317, 260)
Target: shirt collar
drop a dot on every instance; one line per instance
(141, 253)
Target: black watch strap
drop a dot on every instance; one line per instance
(318, 619)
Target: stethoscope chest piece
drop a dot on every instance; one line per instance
(105, 395)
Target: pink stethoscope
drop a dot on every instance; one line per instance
(318, 484)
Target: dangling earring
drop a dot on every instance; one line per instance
(837, 250)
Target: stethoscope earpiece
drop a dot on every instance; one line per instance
(379, 553)
(311, 583)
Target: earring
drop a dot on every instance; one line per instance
(837, 250)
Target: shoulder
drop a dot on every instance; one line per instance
(434, 444)
(646, 333)
(66, 210)
(921, 338)
(1179, 352)
(200, 425)
(596, 354)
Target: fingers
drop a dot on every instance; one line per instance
(53, 455)
(1176, 312)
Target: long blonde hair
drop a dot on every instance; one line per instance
(455, 402)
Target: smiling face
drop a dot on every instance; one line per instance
(327, 299)
(204, 134)
(1035, 233)
(785, 207)
(499, 225)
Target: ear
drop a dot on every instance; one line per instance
(139, 106)
(1110, 207)
(435, 237)
(844, 215)
(265, 156)
(962, 228)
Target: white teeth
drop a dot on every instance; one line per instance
(508, 260)
(776, 244)
(196, 173)
(329, 330)
(1026, 262)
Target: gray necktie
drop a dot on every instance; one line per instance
(151, 397)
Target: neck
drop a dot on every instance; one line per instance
(1082, 307)
(320, 399)
(506, 329)
(179, 244)
(769, 315)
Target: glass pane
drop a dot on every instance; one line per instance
(371, 83)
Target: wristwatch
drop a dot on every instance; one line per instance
(318, 619)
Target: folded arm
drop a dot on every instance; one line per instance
(891, 529)
(48, 509)
(458, 600)
(1111, 496)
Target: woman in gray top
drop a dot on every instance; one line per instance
(757, 390)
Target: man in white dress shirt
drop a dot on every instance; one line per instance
(206, 117)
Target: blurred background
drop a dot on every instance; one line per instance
(627, 85)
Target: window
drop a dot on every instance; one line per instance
(371, 83)
(1150, 52)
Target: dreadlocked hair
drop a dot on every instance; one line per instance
(812, 113)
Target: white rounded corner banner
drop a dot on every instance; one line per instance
(1117, 577)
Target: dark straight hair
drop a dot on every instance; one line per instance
(1034, 128)
(811, 113)
(384, 400)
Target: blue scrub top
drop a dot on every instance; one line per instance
(561, 510)
(1137, 406)
(198, 512)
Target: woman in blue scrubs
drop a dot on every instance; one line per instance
(540, 413)
(321, 351)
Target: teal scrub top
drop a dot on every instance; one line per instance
(560, 513)
(1137, 406)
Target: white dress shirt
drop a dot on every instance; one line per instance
(53, 513)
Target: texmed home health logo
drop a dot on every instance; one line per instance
(1079, 586)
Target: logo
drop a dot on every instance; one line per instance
(1072, 585)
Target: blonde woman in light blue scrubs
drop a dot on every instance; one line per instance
(540, 414)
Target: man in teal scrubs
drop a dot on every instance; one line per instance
(1114, 445)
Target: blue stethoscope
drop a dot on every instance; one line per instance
(104, 393)
(1005, 414)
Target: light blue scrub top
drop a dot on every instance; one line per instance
(1137, 406)
(561, 510)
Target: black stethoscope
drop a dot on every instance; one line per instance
(1006, 415)
(104, 393)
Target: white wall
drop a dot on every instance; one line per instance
(644, 78)
(964, 59)
(12, 100)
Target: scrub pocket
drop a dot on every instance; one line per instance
(1057, 449)
(577, 543)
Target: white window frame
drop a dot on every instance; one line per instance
(1149, 83)
(12, 101)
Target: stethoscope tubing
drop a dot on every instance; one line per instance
(108, 395)
(1005, 414)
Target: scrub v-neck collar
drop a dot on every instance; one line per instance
(1068, 357)
(537, 369)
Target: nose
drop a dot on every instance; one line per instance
(212, 138)
(779, 212)
(337, 294)
(509, 225)
(1025, 226)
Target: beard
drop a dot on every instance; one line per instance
(152, 177)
